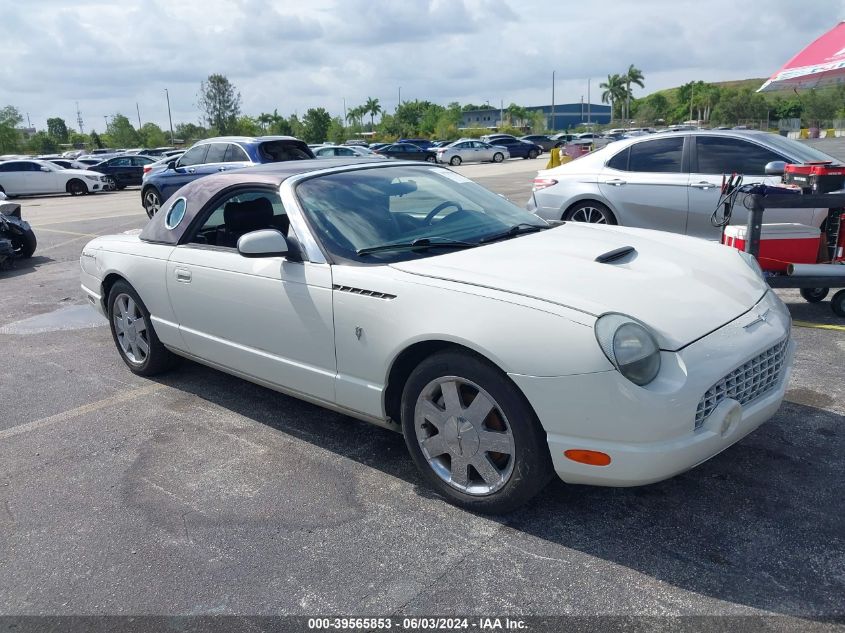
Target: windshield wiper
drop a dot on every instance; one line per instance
(419, 243)
(516, 229)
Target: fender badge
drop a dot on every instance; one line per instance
(359, 332)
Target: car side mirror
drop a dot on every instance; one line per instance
(263, 243)
(775, 168)
(45, 169)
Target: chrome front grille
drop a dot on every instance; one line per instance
(745, 383)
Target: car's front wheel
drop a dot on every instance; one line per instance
(77, 188)
(472, 433)
(455, 161)
(498, 157)
(591, 212)
(152, 202)
(532, 154)
(133, 333)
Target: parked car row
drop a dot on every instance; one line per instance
(26, 177)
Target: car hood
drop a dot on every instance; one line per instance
(682, 287)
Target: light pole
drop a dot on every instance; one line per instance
(552, 126)
(169, 117)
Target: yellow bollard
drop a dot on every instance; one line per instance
(831, 133)
(554, 158)
(805, 133)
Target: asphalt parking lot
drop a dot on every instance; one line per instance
(199, 493)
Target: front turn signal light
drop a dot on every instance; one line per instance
(591, 458)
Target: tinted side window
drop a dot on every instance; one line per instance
(216, 153)
(620, 161)
(657, 156)
(193, 156)
(720, 155)
(235, 154)
(138, 161)
(241, 213)
(120, 162)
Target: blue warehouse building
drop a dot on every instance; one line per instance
(567, 115)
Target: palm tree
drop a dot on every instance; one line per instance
(265, 119)
(633, 76)
(373, 108)
(614, 91)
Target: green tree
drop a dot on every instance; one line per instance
(10, 137)
(316, 124)
(636, 77)
(264, 120)
(279, 125)
(42, 143)
(96, 141)
(190, 132)
(220, 102)
(121, 132)
(247, 126)
(57, 128)
(372, 108)
(336, 132)
(153, 136)
(517, 115)
(614, 92)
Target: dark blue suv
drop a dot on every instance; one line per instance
(222, 153)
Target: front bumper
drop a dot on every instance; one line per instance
(649, 432)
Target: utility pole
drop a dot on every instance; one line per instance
(589, 112)
(79, 118)
(28, 122)
(344, 111)
(552, 126)
(398, 103)
(138, 110)
(169, 117)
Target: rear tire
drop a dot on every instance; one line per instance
(133, 333)
(490, 458)
(455, 161)
(151, 201)
(591, 212)
(111, 184)
(814, 295)
(430, 159)
(837, 304)
(27, 244)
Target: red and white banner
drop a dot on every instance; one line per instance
(822, 63)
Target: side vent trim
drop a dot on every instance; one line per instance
(367, 293)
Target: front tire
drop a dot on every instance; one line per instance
(133, 333)
(152, 202)
(533, 154)
(498, 157)
(27, 244)
(455, 161)
(473, 435)
(77, 188)
(591, 212)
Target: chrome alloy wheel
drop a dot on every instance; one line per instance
(464, 435)
(589, 214)
(130, 329)
(152, 203)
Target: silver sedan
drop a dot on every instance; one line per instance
(669, 181)
(468, 150)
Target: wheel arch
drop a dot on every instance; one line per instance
(411, 356)
(590, 198)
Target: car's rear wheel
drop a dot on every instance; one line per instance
(455, 161)
(133, 333)
(430, 159)
(498, 157)
(77, 188)
(814, 295)
(472, 433)
(152, 202)
(24, 246)
(837, 303)
(591, 212)
(533, 153)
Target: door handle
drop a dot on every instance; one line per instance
(191, 170)
(616, 182)
(702, 185)
(221, 169)
(183, 275)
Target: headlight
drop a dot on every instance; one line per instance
(630, 346)
(92, 177)
(752, 262)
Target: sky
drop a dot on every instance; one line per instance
(292, 55)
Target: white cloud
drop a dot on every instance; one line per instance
(292, 55)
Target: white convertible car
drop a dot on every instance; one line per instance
(406, 295)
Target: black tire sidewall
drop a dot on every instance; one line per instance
(814, 295)
(29, 244)
(455, 161)
(144, 195)
(532, 461)
(77, 188)
(498, 157)
(608, 214)
(837, 303)
(159, 357)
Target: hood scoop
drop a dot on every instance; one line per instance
(616, 254)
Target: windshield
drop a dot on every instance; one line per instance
(361, 209)
(804, 153)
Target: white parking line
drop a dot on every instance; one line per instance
(118, 398)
